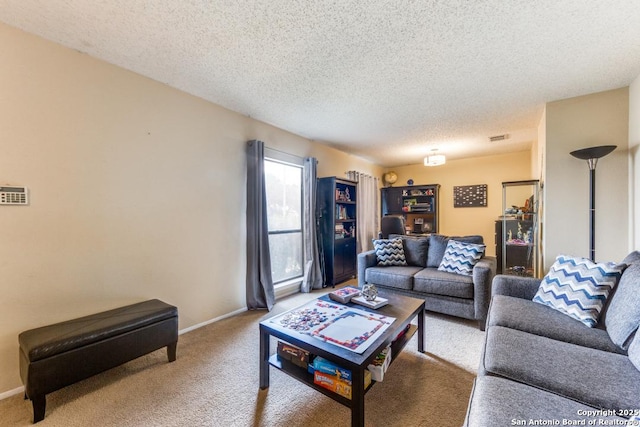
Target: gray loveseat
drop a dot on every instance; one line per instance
(443, 292)
(541, 364)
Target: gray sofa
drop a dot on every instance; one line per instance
(541, 364)
(449, 293)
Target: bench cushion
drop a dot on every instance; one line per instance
(53, 339)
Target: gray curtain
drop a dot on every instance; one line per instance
(260, 292)
(312, 270)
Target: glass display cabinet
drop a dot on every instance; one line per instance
(518, 229)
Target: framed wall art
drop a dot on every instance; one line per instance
(470, 196)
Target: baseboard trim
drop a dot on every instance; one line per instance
(208, 322)
(7, 394)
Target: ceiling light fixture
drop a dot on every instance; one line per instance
(435, 159)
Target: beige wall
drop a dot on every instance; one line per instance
(571, 124)
(634, 164)
(137, 192)
(540, 172)
(490, 170)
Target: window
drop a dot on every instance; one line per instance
(283, 181)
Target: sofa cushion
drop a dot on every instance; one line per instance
(634, 351)
(433, 281)
(631, 258)
(393, 277)
(528, 316)
(497, 401)
(416, 250)
(389, 252)
(438, 244)
(623, 312)
(460, 257)
(578, 287)
(593, 377)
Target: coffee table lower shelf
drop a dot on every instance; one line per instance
(305, 377)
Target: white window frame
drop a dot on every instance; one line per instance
(292, 285)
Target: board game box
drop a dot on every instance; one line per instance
(345, 294)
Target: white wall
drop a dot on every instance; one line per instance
(137, 192)
(634, 165)
(571, 124)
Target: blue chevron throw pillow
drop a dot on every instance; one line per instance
(460, 257)
(578, 287)
(389, 252)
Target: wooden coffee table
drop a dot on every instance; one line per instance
(402, 308)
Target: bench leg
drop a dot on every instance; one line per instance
(171, 351)
(39, 404)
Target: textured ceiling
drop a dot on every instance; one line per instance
(385, 80)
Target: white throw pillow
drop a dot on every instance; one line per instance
(578, 287)
(460, 257)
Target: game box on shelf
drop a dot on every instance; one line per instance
(293, 354)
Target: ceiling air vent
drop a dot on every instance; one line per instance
(498, 137)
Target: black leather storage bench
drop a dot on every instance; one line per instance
(55, 356)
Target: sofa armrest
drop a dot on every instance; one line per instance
(515, 286)
(365, 260)
(483, 273)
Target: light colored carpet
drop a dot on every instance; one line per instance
(214, 382)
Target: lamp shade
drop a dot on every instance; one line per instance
(435, 160)
(593, 152)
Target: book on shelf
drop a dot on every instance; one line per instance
(376, 303)
(345, 294)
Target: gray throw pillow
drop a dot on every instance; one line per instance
(623, 313)
(415, 250)
(438, 244)
(634, 351)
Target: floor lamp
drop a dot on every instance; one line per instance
(591, 155)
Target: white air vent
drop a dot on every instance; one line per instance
(498, 137)
(14, 196)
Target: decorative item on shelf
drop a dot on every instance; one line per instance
(390, 178)
(369, 292)
(591, 155)
(435, 159)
